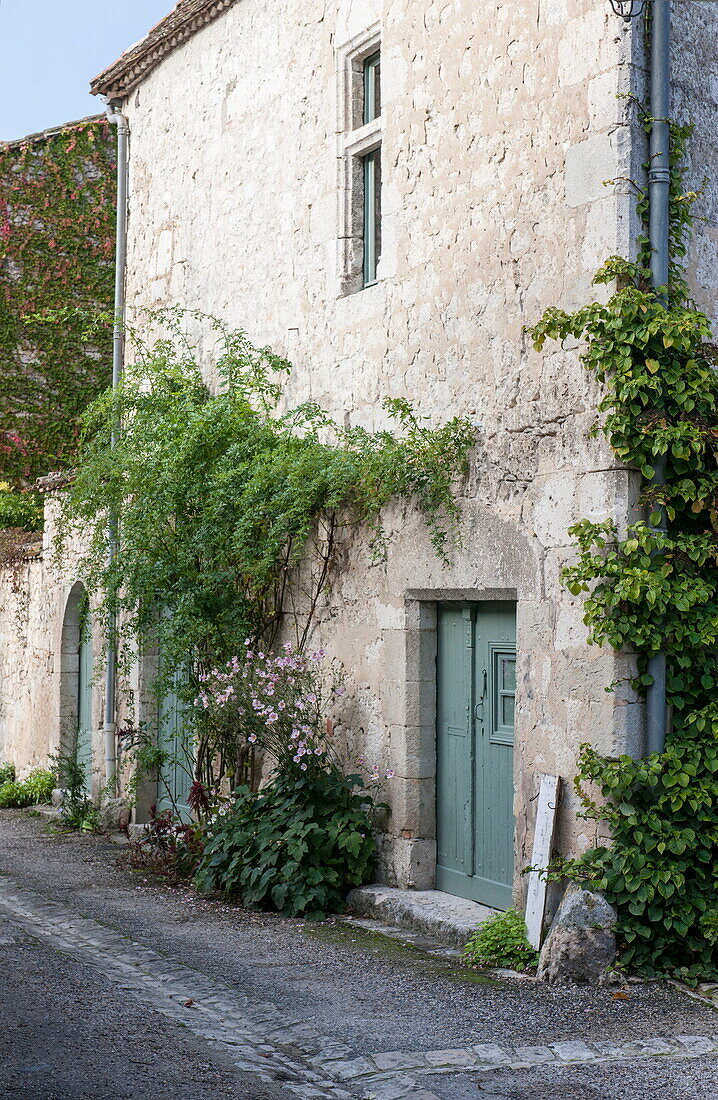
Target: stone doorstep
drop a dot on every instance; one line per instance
(441, 917)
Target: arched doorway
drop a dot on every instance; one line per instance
(76, 682)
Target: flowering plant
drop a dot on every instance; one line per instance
(306, 837)
(274, 701)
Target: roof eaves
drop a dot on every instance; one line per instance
(188, 17)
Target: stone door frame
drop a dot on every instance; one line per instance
(410, 706)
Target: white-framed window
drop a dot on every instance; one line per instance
(361, 125)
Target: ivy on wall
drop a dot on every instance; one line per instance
(651, 592)
(57, 227)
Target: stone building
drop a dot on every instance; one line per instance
(387, 192)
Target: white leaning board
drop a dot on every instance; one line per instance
(543, 844)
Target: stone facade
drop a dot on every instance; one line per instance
(499, 128)
(494, 154)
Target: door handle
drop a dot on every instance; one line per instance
(479, 708)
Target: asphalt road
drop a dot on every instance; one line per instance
(66, 1033)
(113, 987)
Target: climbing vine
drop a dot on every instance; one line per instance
(57, 216)
(652, 592)
(232, 514)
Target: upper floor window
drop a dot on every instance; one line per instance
(371, 163)
(360, 90)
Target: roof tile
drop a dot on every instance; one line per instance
(187, 17)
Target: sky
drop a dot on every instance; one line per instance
(51, 49)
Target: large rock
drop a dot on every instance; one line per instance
(116, 815)
(582, 942)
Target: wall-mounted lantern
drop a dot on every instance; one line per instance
(628, 9)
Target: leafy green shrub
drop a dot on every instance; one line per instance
(14, 795)
(298, 845)
(40, 784)
(37, 788)
(709, 926)
(19, 509)
(7, 773)
(501, 941)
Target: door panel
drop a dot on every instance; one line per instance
(176, 773)
(495, 667)
(476, 861)
(454, 749)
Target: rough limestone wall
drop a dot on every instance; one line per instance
(501, 124)
(36, 669)
(27, 666)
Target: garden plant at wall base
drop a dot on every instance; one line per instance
(298, 845)
(35, 789)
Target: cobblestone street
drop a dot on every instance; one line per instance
(110, 986)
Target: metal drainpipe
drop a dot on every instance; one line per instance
(659, 180)
(119, 120)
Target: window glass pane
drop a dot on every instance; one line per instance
(507, 710)
(508, 674)
(372, 88)
(372, 215)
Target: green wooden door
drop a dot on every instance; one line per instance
(175, 778)
(84, 703)
(476, 682)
